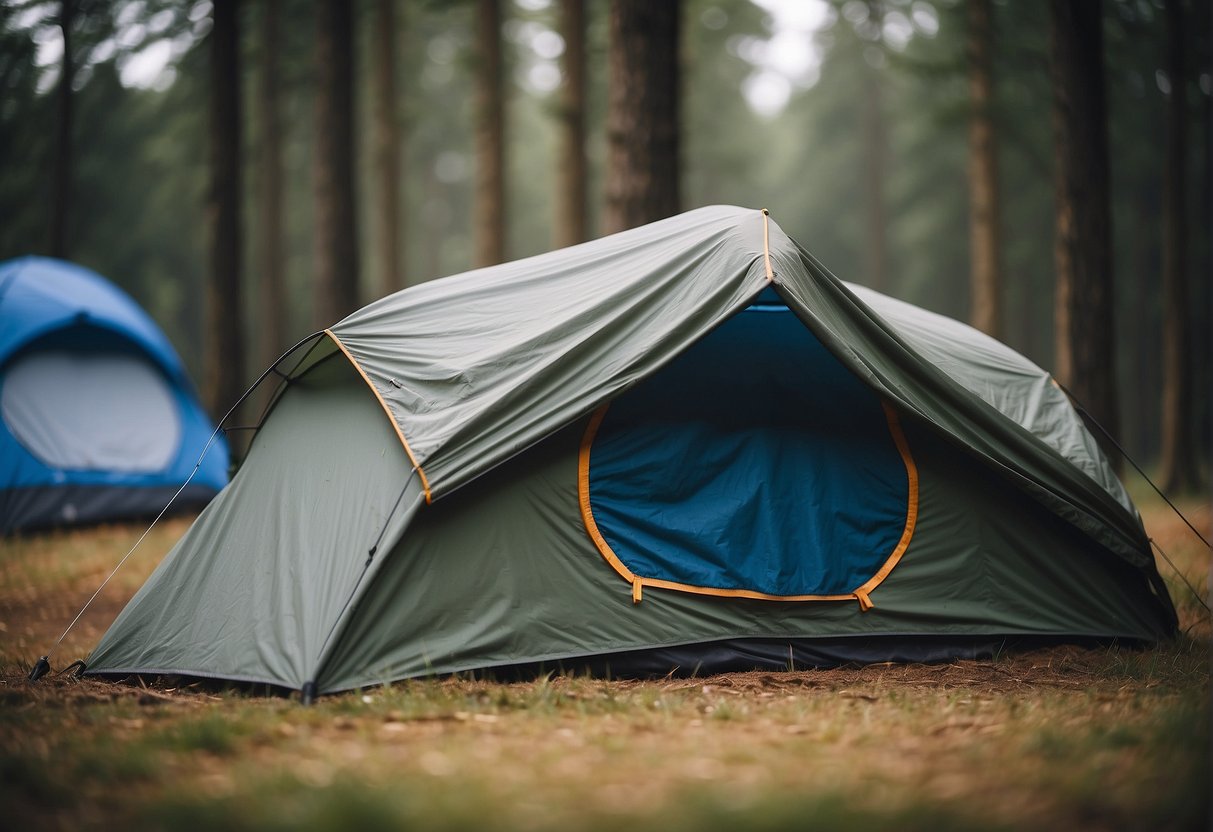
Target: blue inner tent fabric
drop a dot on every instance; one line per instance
(754, 462)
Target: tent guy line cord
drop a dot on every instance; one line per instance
(1087, 414)
(45, 660)
(1083, 412)
(43, 664)
(1191, 588)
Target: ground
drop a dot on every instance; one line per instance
(1063, 738)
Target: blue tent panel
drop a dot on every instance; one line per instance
(78, 358)
(755, 462)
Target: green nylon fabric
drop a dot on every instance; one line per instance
(1002, 378)
(255, 587)
(503, 572)
(868, 346)
(480, 366)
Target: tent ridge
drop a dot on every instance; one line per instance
(425, 482)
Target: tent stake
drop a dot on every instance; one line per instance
(40, 669)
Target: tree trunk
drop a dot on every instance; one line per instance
(571, 225)
(225, 365)
(336, 292)
(490, 137)
(1085, 356)
(434, 226)
(273, 324)
(1202, 301)
(643, 130)
(1179, 469)
(1139, 416)
(875, 140)
(61, 201)
(984, 215)
(387, 149)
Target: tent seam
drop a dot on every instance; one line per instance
(425, 482)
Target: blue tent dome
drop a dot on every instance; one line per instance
(98, 418)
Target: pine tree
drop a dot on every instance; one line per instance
(643, 131)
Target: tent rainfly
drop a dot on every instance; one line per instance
(98, 419)
(686, 447)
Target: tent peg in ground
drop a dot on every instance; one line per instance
(40, 669)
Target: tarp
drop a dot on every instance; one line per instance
(478, 367)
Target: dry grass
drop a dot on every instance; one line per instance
(46, 579)
(1059, 738)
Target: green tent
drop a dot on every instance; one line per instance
(686, 447)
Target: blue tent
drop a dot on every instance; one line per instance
(98, 418)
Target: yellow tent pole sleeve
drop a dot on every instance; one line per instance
(425, 483)
(903, 448)
(766, 245)
(583, 497)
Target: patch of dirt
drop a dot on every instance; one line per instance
(1063, 666)
(31, 625)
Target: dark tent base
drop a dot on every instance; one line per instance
(749, 654)
(709, 659)
(52, 506)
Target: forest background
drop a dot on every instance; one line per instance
(851, 121)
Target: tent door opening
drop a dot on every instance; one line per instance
(754, 465)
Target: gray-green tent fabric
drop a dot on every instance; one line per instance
(413, 502)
